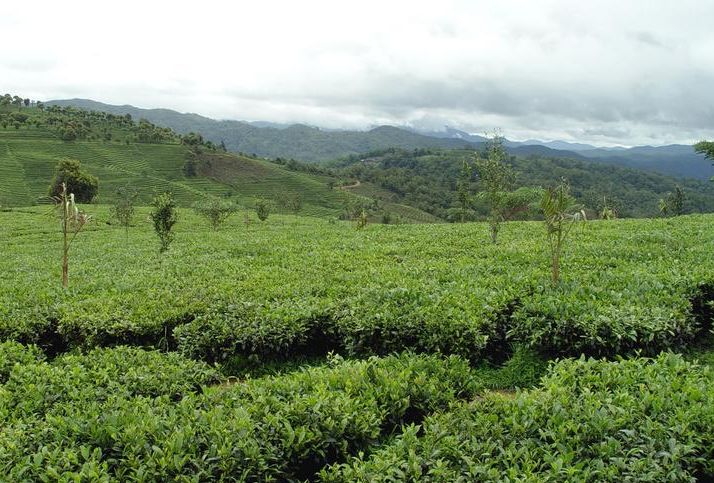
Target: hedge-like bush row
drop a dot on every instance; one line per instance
(633, 420)
(279, 428)
(39, 388)
(313, 287)
(12, 353)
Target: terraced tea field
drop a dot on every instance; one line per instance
(405, 331)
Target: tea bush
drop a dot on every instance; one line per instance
(13, 353)
(632, 420)
(301, 285)
(37, 388)
(279, 428)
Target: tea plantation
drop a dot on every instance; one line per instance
(300, 349)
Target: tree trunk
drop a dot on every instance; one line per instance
(65, 242)
(494, 234)
(65, 271)
(555, 267)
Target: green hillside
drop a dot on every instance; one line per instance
(297, 141)
(115, 149)
(426, 179)
(308, 143)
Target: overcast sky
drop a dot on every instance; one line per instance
(606, 72)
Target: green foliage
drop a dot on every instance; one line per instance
(425, 179)
(557, 206)
(83, 185)
(214, 210)
(361, 220)
(123, 208)
(72, 221)
(463, 188)
(673, 203)
(262, 209)
(706, 148)
(192, 139)
(632, 420)
(164, 217)
(630, 285)
(43, 389)
(15, 354)
(291, 202)
(496, 179)
(281, 428)
(189, 168)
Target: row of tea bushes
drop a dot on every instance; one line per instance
(275, 428)
(592, 420)
(312, 287)
(36, 388)
(13, 353)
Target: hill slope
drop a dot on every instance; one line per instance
(427, 180)
(312, 144)
(296, 141)
(30, 152)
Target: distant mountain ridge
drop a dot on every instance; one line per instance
(308, 143)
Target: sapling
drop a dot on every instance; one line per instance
(463, 189)
(72, 220)
(560, 213)
(262, 209)
(215, 211)
(123, 209)
(361, 219)
(496, 182)
(164, 217)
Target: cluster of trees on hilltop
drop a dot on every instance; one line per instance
(428, 179)
(70, 124)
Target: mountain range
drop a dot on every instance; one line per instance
(313, 144)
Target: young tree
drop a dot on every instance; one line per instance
(215, 211)
(560, 213)
(83, 185)
(463, 189)
(676, 201)
(361, 220)
(496, 180)
(164, 217)
(189, 168)
(673, 203)
(262, 209)
(607, 210)
(123, 209)
(72, 221)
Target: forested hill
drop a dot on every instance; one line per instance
(296, 141)
(123, 151)
(307, 143)
(427, 179)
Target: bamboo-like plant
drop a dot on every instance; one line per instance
(72, 220)
(560, 213)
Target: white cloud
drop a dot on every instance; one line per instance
(604, 71)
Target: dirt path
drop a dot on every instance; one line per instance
(350, 186)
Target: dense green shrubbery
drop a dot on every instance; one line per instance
(311, 287)
(634, 420)
(82, 185)
(37, 388)
(264, 330)
(12, 353)
(266, 429)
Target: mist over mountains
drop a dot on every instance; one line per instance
(309, 143)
